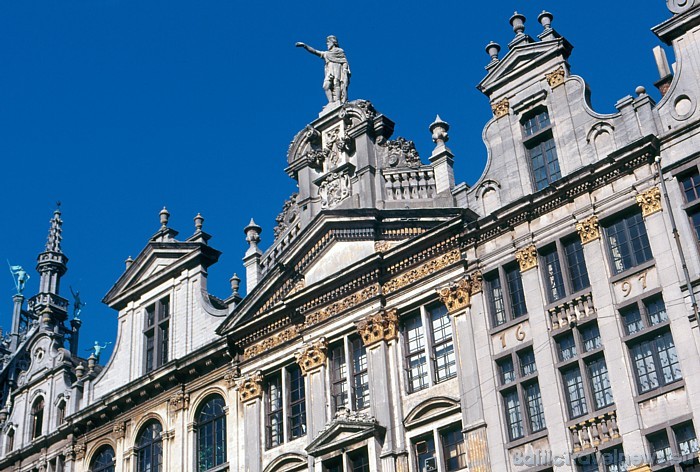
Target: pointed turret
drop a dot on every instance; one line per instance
(51, 265)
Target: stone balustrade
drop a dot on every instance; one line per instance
(412, 184)
(571, 311)
(594, 431)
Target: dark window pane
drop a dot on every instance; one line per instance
(443, 350)
(627, 242)
(103, 461)
(359, 461)
(566, 347)
(360, 377)
(425, 452)
(536, 122)
(545, 164)
(527, 362)
(600, 383)
(632, 319)
(656, 310)
(513, 415)
(534, 407)
(590, 337)
(274, 410)
(554, 281)
(211, 434)
(507, 370)
(615, 460)
(338, 367)
(587, 463)
(416, 361)
(494, 293)
(644, 365)
(578, 273)
(668, 359)
(516, 292)
(660, 447)
(454, 449)
(686, 439)
(575, 392)
(297, 403)
(691, 186)
(695, 220)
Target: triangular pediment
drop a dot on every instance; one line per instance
(346, 429)
(522, 57)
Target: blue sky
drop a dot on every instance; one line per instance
(119, 107)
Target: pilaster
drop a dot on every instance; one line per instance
(250, 390)
(312, 361)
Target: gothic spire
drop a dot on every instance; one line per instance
(53, 242)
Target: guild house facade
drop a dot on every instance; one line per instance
(543, 319)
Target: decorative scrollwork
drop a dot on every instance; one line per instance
(250, 387)
(588, 229)
(382, 326)
(500, 108)
(312, 356)
(402, 153)
(527, 257)
(650, 201)
(556, 77)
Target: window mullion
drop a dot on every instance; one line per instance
(286, 402)
(505, 294)
(429, 343)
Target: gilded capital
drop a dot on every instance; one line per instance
(527, 257)
(312, 356)
(457, 296)
(477, 282)
(250, 387)
(650, 201)
(588, 229)
(382, 326)
(500, 108)
(556, 77)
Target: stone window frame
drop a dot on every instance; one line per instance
(152, 445)
(537, 138)
(507, 296)
(61, 405)
(429, 347)
(37, 416)
(10, 440)
(156, 327)
(600, 456)
(346, 460)
(691, 207)
(103, 467)
(346, 384)
(284, 375)
(437, 436)
(648, 331)
(581, 359)
(560, 246)
(518, 384)
(606, 223)
(669, 430)
(218, 423)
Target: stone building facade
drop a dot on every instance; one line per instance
(544, 318)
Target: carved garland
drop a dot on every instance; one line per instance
(650, 201)
(527, 257)
(424, 270)
(588, 229)
(382, 326)
(250, 387)
(311, 357)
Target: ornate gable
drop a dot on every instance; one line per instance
(347, 428)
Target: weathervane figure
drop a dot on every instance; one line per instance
(97, 350)
(77, 304)
(20, 277)
(337, 70)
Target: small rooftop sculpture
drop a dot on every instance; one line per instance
(77, 304)
(337, 70)
(97, 350)
(20, 276)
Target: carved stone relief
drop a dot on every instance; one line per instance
(289, 214)
(588, 229)
(650, 201)
(401, 153)
(527, 258)
(312, 356)
(500, 108)
(334, 189)
(382, 326)
(457, 296)
(250, 387)
(556, 77)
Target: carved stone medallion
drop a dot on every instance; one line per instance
(556, 77)
(500, 108)
(312, 356)
(334, 189)
(381, 326)
(650, 201)
(588, 229)
(527, 257)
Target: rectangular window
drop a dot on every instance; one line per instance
(627, 241)
(157, 334)
(359, 461)
(520, 391)
(424, 450)
(285, 398)
(569, 277)
(690, 184)
(339, 378)
(584, 372)
(502, 311)
(453, 449)
(539, 143)
(650, 343)
(675, 446)
(437, 345)
(360, 377)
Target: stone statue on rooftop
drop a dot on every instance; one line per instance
(337, 70)
(97, 350)
(77, 304)
(20, 277)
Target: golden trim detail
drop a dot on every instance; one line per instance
(556, 77)
(527, 257)
(422, 271)
(500, 108)
(382, 326)
(312, 356)
(588, 229)
(250, 387)
(650, 201)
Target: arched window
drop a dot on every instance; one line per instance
(37, 417)
(211, 434)
(149, 448)
(103, 460)
(10, 444)
(60, 413)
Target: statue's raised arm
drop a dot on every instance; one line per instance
(337, 70)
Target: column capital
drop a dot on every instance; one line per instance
(250, 387)
(381, 326)
(588, 229)
(650, 201)
(526, 257)
(312, 356)
(457, 296)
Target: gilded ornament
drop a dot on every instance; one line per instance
(650, 201)
(527, 257)
(423, 271)
(477, 282)
(456, 296)
(588, 229)
(312, 356)
(500, 108)
(556, 77)
(271, 342)
(382, 246)
(344, 304)
(382, 326)
(250, 387)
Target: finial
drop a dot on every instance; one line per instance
(164, 217)
(53, 242)
(235, 284)
(545, 19)
(252, 232)
(492, 49)
(439, 129)
(640, 91)
(517, 21)
(128, 262)
(198, 220)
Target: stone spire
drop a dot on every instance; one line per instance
(251, 260)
